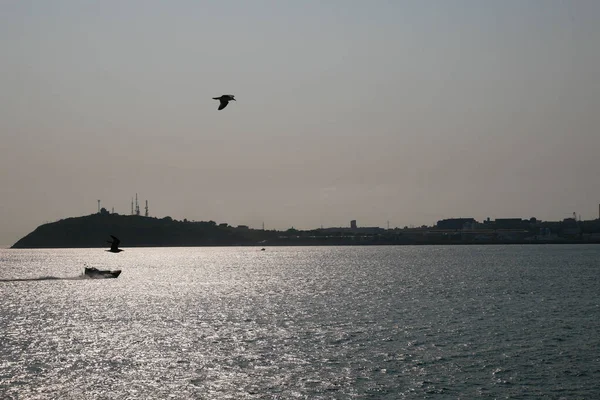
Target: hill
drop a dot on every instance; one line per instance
(134, 231)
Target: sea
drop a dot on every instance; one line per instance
(373, 322)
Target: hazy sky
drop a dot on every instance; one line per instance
(407, 111)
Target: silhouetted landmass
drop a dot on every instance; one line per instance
(94, 230)
(138, 231)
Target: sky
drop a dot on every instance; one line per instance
(404, 112)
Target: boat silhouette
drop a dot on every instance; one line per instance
(96, 273)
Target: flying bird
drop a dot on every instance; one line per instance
(114, 245)
(224, 100)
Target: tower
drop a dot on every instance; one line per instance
(137, 206)
(146, 214)
(98, 206)
(132, 206)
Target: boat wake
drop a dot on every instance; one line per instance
(46, 278)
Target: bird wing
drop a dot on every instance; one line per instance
(223, 104)
(115, 243)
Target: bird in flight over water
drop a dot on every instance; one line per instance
(114, 245)
(225, 99)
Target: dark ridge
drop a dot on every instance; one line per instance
(134, 231)
(138, 231)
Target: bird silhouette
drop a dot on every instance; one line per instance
(114, 245)
(224, 100)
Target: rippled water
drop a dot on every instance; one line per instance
(303, 322)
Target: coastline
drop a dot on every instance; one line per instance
(92, 231)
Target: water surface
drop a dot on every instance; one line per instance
(302, 323)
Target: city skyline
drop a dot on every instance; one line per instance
(408, 112)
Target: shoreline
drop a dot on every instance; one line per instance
(266, 245)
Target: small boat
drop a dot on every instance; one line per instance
(101, 273)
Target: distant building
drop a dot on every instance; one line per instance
(363, 230)
(370, 230)
(511, 223)
(455, 223)
(353, 224)
(570, 227)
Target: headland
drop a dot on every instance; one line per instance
(140, 231)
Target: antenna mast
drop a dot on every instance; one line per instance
(146, 208)
(137, 206)
(98, 206)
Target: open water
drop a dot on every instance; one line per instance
(515, 322)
